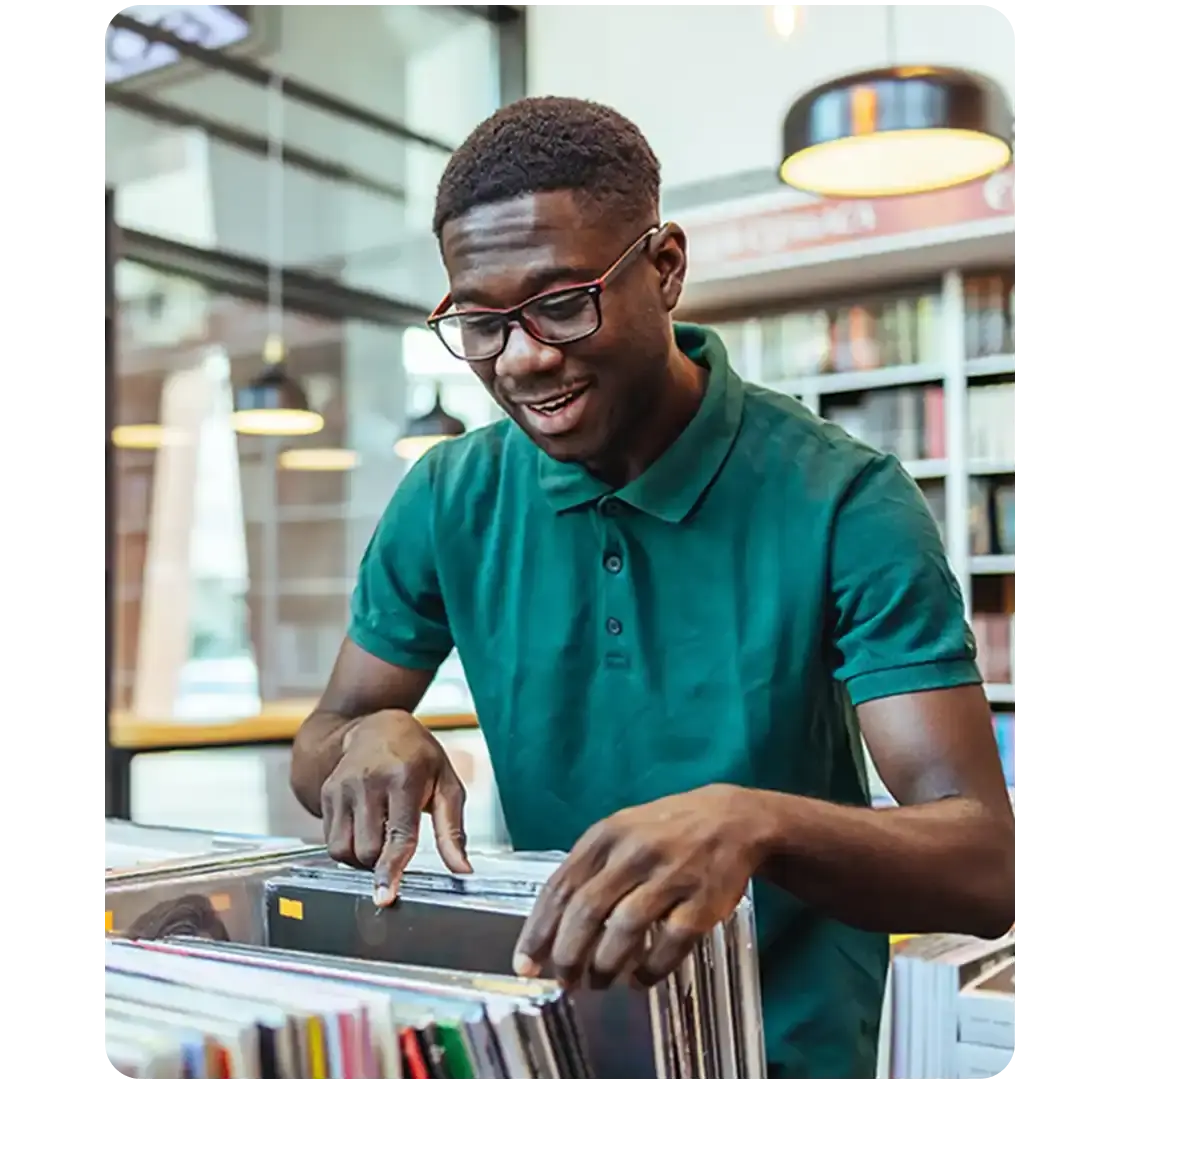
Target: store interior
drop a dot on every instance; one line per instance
(271, 171)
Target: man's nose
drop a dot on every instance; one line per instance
(523, 357)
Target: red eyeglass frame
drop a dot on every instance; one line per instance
(516, 313)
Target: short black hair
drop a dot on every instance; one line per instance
(542, 144)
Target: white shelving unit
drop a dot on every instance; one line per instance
(953, 372)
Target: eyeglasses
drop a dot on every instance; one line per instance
(555, 318)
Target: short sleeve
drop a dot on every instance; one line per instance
(398, 614)
(898, 619)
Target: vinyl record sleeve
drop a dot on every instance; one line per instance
(278, 1039)
(455, 931)
(414, 997)
(345, 1023)
(479, 1000)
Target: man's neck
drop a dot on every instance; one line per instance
(675, 407)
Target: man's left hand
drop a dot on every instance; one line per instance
(673, 868)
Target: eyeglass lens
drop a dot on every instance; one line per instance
(562, 317)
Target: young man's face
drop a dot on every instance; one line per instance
(578, 401)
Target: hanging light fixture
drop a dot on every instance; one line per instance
(318, 459)
(274, 403)
(146, 437)
(896, 130)
(424, 432)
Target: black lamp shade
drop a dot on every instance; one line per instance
(426, 430)
(436, 422)
(272, 390)
(896, 131)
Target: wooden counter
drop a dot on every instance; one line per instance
(277, 723)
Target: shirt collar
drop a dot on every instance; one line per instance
(672, 486)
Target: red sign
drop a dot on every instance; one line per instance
(779, 232)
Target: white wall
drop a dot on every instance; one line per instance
(709, 85)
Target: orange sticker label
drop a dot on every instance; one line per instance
(220, 902)
(290, 908)
(110, 922)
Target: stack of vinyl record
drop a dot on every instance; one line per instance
(702, 1022)
(269, 960)
(194, 1009)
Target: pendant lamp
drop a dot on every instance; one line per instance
(424, 432)
(319, 459)
(274, 403)
(896, 130)
(145, 437)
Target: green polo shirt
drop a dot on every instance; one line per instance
(712, 621)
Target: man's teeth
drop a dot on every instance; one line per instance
(552, 407)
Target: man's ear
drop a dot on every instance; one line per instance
(669, 252)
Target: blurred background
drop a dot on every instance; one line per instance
(270, 175)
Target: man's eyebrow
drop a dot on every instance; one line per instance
(533, 283)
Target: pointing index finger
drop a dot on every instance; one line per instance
(401, 840)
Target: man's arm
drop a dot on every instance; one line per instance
(360, 685)
(398, 635)
(940, 861)
(943, 860)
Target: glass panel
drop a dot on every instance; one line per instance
(234, 561)
(370, 231)
(433, 70)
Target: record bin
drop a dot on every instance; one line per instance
(202, 906)
(162, 881)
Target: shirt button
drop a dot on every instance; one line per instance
(613, 626)
(613, 564)
(610, 507)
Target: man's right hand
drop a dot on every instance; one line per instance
(392, 771)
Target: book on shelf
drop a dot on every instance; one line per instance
(845, 338)
(991, 516)
(990, 309)
(1004, 518)
(908, 422)
(993, 646)
(991, 422)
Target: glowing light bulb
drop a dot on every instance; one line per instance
(785, 18)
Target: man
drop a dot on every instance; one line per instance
(679, 599)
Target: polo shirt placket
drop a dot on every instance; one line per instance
(617, 598)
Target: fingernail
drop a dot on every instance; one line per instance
(382, 896)
(525, 966)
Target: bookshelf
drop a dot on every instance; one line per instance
(926, 372)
